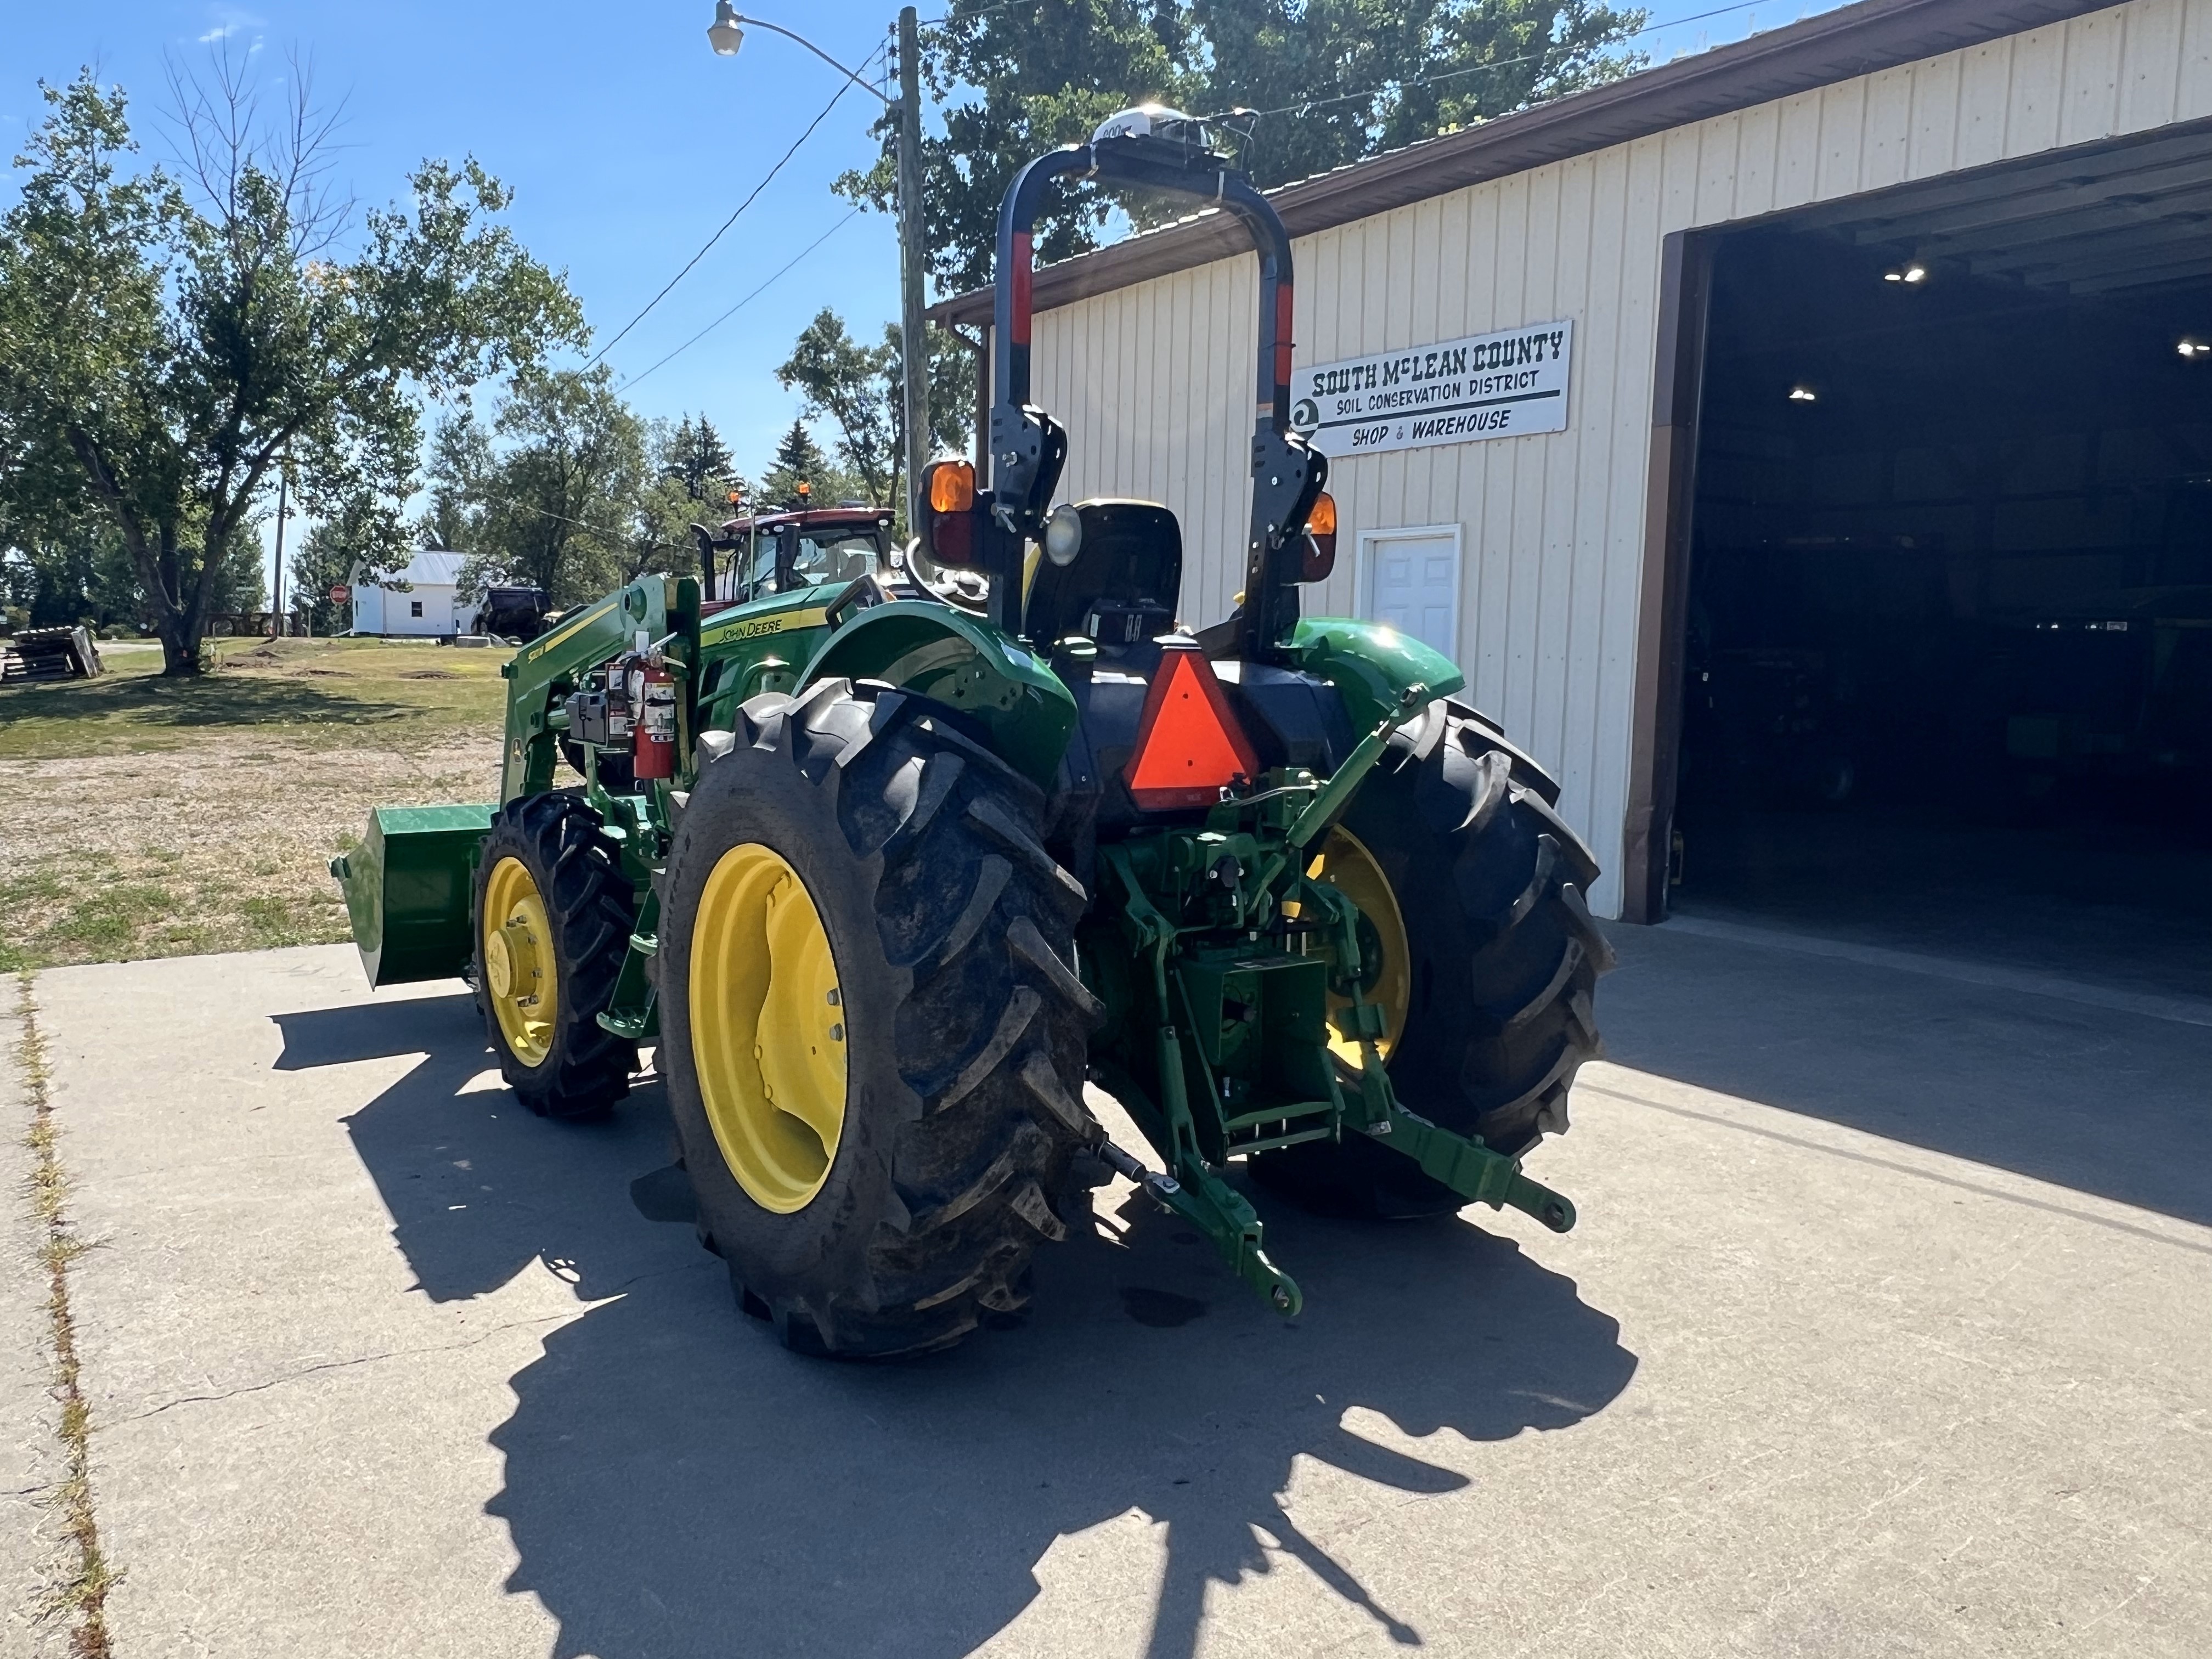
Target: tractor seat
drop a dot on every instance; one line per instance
(1122, 586)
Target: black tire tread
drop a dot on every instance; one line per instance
(591, 908)
(1497, 1064)
(977, 917)
(1544, 950)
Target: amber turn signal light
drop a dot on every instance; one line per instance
(952, 487)
(1320, 555)
(949, 531)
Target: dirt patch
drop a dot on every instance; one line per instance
(168, 817)
(223, 846)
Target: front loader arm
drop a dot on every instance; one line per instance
(543, 671)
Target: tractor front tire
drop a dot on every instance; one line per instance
(1504, 959)
(552, 917)
(874, 1038)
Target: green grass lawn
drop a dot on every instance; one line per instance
(147, 817)
(310, 691)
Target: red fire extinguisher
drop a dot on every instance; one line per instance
(654, 749)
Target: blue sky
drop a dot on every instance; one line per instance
(626, 140)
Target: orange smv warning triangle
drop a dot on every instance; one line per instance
(1189, 746)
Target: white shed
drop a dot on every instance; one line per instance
(1800, 282)
(421, 601)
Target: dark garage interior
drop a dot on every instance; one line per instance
(1948, 645)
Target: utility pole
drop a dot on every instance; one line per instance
(283, 486)
(727, 34)
(913, 329)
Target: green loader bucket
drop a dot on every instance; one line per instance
(407, 891)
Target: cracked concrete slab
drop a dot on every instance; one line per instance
(32, 1462)
(380, 1365)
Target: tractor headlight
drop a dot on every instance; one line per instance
(1063, 534)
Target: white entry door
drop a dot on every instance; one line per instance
(1410, 579)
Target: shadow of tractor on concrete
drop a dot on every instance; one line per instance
(677, 1484)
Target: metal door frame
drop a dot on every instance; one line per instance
(1663, 608)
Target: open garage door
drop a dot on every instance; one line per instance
(1946, 634)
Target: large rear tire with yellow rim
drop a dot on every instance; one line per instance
(873, 1031)
(1482, 952)
(553, 914)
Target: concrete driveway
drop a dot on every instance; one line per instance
(1888, 1329)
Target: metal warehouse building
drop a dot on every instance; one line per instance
(1803, 447)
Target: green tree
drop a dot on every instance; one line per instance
(953, 370)
(163, 340)
(550, 496)
(797, 454)
(694, 455)
(323, 559)
(800, 461)
(1334, 80)
(857, 387)
(1344, 79)
(1031, 76)
(78, 570)
(59, 577)
(695, 480)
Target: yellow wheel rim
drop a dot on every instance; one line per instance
(768, 1028)
(518, 973)
(1344, 864)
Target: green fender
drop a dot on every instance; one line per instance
(1370, 663)
(963, 662)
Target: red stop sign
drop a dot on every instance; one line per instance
(340, 593)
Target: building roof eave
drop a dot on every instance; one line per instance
(1836, 46)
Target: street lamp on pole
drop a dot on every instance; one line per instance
(726, 34)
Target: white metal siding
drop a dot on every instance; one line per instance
(385, 612)
(1154, 381)
(367, 610)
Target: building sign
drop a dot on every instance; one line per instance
(1488, 385)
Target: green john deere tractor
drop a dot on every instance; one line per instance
(892, 853)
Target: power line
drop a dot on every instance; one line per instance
(979, 11)
(1010, 5)
(1396, 86)
(843, 88)
(743, 303)
(1004, 5)
(1495, 63)
(546, 513)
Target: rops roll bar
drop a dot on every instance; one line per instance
(1157, 149)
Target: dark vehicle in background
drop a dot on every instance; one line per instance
(514, 613)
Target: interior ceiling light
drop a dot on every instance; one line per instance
(1915, 272)
(1802, 394)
